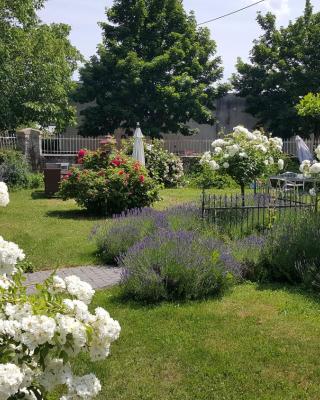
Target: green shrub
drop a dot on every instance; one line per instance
(35, 180)
(204, 177)
(122, 185)
(176, 266)
(291, 252)
(14, 168)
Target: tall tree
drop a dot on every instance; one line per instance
(37, 62)
(154, 66)
(284, 67)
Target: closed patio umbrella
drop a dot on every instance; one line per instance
(303, 151)
(138, 147)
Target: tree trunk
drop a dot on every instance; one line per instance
(242, 195)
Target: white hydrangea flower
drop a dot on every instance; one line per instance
(218, 143)
(56, 373)
(78, 309)
(4, 195)
(305, 167)
(214, 165)
(17, 311)
(315, 168)
(280, 164)
(205, 158)
(262, 148)
(5, 283)
(218, 150)
(37, 330)
(225, 165)
(10, 254)
(80, 289)
(11, 377)
(233, 149)
(317, 151)
(10, 328)
(58, 285)
(67, 325)
(243, 154)
(312, 192)
(84, 387)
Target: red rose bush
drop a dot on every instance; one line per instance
(109, 184)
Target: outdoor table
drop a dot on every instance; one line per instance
(296, 180)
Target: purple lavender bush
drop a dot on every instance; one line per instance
(114, 237)
(177, 266)
(117, 235)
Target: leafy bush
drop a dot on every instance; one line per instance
(122, 184)
(114, 237)
(292, 252)
(164, 167)
(14, 168)
(35, 180)
(176, 266)
(204, 177)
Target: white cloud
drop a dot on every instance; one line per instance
(278, 7)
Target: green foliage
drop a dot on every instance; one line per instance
(203, 177)
(154, 66)
(309, 108)
(284, 65)
(14, 169)
(122, 185)
(35, 180)
(37, 62)
(292, 252)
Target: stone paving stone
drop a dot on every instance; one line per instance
(98, 277)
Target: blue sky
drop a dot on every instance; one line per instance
(234, 34)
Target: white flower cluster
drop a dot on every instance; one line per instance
(4, 195)
(309, 168)
(165, 167)
(244, 145)
(57, 321)
(10, 254)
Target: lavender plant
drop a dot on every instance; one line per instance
(177, 266)
(114, 237)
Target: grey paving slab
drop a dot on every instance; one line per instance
(98, 277)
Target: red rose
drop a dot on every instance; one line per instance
(82, 153)
(121, 172)
(141, 178)
(136, 166)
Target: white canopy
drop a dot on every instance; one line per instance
(303, 151)
(138, 147)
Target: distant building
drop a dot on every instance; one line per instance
(230, 112)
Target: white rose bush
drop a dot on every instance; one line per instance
(245, 156)
(40, 335)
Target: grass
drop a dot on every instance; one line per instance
(255, 343)
(55, 233)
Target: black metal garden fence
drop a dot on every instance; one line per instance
(237, 216)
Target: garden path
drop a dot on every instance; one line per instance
(99, 277)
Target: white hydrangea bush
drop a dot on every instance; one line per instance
(312, 169)
(165, 167)
(41, 334)
(245, 155)
(4, 195)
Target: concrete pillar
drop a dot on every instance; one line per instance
(28, 142)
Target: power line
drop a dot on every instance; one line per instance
(231, 13)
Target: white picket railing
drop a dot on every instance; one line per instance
(62, 145)
(59, 146)
(8, 142)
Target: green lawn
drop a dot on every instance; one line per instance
(55, 233)
(254, 343)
